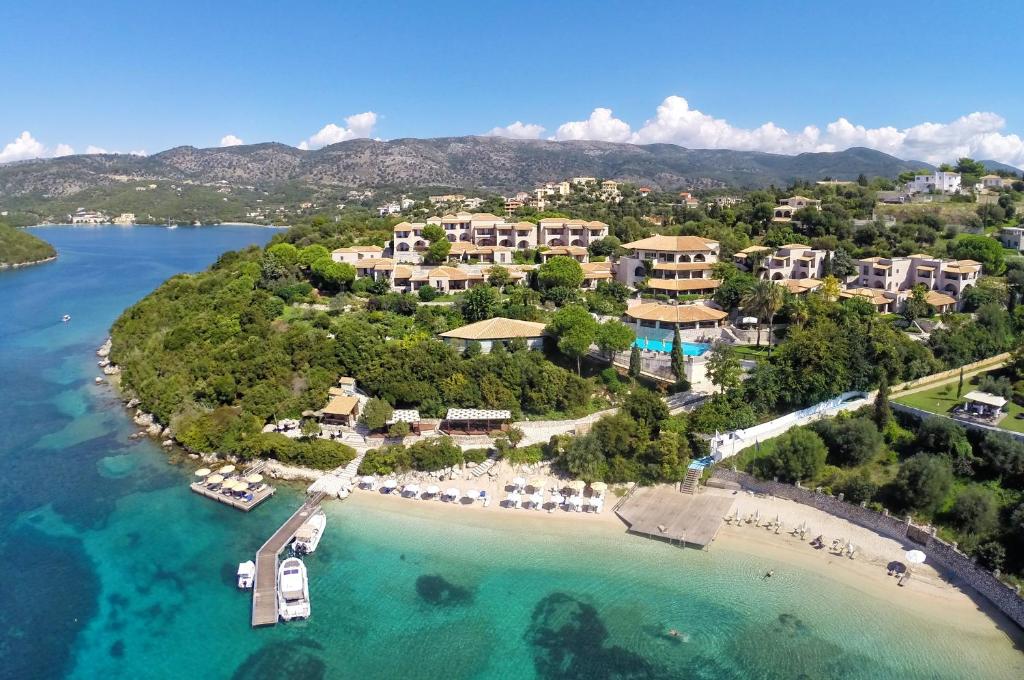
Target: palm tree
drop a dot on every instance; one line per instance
(798, 311)
(764, 300)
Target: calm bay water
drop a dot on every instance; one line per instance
(110, 567)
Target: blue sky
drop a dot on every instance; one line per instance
(132, 77)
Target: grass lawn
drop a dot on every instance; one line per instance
(751, 351)
(943, 398)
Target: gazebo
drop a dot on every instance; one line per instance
(475, 421)
(983, 405)
(405, 415)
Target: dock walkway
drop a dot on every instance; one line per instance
(666, 514)
(264, 592)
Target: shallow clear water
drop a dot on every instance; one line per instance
(690, 349)
(110, 567)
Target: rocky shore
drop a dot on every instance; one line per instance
(18, 265)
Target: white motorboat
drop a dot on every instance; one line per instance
(292, 590)
(307, 538)
(66, 318)
(246, 575)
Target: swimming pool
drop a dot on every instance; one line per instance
(690, 349)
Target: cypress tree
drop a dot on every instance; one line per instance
(882, 411)
(634, 362)
(678, 365)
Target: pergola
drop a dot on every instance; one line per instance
(984, 404)
(475, 421)
(405, 415)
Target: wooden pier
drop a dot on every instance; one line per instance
(233, 501)
(667, 514)
(264, 592)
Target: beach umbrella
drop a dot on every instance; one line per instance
(537, 483)
(254, 478)
(389, 484)
(368, 479)
(433, 489)
(577, 485)
(215, 479)
(411, 488)
(452, 493)
(472, 493)
(226, 470)
(518, 481)
(599, 487)
(915, 557)
(202, 472)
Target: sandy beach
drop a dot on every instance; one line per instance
(927, 594)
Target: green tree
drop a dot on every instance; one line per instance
(575, 343)
(437, 252)
(917, 305)
(798, 454)
(764, 301)
(678, 359)
(883, 412)
(331, 275)
(560, 272)
(376, 414)
(498, 277)
(312, 253)
(850, 441)
(284, 252)
(635, 364)
(723, 366)
(479, 303)
(614, 336)
(975, 511)
(983, 249)
(427, 292)
(923, 482)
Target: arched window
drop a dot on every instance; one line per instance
(684, 258)
(777, 276)
(523, 245)
(640, 272)
(699, 257)
(403, 247)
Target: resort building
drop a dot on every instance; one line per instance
(83, 216)
(800, 202)
(1012, 237)
(595, 272)
(468, 252)
(496, 330)
(657, 320)
(745, 259)
(900, 274)
(670, 264)
(475, 420)
(801, 286)
(795, 261)
(688, 200)
(558, 231)
(353, 254)
(342, 409)
(937, 182)
(125, 218)
(889, 302)
(578, 253)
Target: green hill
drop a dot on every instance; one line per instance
(20, 247)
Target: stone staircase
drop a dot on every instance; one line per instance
(691, 481)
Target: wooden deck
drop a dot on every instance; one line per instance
(264, 592)
(237, 503)
(666, 514)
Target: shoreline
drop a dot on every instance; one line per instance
(19, 265)
(928, 594)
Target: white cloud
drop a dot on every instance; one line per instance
(24, 146)
(517, 130)
(978, 135)
(91, 149)
(357, 125)
(601, 125)
(136, 152)
(63, 150)
(231, 140)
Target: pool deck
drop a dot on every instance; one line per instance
(666, 514)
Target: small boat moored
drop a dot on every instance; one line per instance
(66, 318)
(292, 590)
(307, 538)
(246, 575)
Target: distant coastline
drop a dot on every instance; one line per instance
(18, 265)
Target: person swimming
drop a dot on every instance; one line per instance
(768, 575)
(677, 636)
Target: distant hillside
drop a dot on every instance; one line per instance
(20, 247)
(480, 162)
(992, 166)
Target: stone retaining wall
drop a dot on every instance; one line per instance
(946, 555)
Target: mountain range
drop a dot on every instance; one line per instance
(490, 163)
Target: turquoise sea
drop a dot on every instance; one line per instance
(111, 568)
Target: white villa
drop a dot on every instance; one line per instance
(558, 231)
(1012, 237)
(480, 229)
(658, 321)
(939, 182)
(674, 264)
(788, 206)
(795, 261)
(353, 254)
(897, 276)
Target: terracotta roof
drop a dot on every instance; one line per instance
(792, 246)
(682, 266)
(341, 405)
(937, 299)
(408, 226)
(403, 272)
(875, 297)
(680, 285)
(566, 250)
(461, 247)
(927, 269)
(656, 311)
(753, 249)
(672, 244)
(498, 328)
(359, 249)
(800, 286)
(374, 263)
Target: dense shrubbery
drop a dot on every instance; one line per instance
(426, 455)
(17, 246)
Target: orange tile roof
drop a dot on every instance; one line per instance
(656, 311)
(674, 244)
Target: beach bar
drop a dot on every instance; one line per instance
(342, 409)
(405, 415)
(475, 421)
